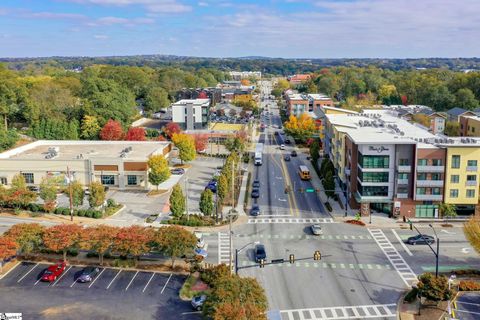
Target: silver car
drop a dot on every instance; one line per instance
(316, 229)
(198, 301)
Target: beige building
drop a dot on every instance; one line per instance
(117, 164)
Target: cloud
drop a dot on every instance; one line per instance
(155, 6)
(52, 15)
(108, 21)
(100, 36)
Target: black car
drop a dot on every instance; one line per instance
(212, 185)
(88, 274)
(420, 239)
(255, 211)
(177, 171)
(287, 141)
(260, 253)
(286, 158)
(255, 193)
(256, 184)
(294, 153)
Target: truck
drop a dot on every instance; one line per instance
(258, 154)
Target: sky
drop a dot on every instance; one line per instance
(238, 28)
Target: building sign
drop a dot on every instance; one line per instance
(396, 207)
(365, 209)
(378, 149)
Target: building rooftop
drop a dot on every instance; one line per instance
(81, 150)
(307, 96)
(195, 102)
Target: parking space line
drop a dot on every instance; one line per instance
(113, 279)
(38, 281)
(73, 283)
(166, 283)
(26, 274)
(153, 274)
(402, 243)
(63, 274)
(131, 280)
(5, 274)
(91, 284)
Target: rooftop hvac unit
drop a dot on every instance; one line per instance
(462, 140)
(402, 133)
(360, 123)
(123, 155)
(54, 149)
(450, 140)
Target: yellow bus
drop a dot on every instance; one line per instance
(304, 173)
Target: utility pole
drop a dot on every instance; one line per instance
(70, 193)
(186, 196)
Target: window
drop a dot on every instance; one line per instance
(437, 162)
(403, 162)
(455, 162)
(369, 161)
(421, 190)
(470, 193)
(454, 193)
(28, 177)
(436, 191)
(472, 163)
(422, 162)
(421, 176)
(373, 176)
(108, 180)
(436, 176)
(471, 177)
(371, 191)
(132, 180)
(3, 180)
(454, 178)
(403, 176)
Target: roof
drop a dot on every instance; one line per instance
(218, 126)
(194, 102)
(83, 149)
(307, 96)
(299, 77)
(456, 111)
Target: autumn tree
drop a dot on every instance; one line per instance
(223, 187)
(62, 237)
(156, 99)
(177, 201)
(28, 237)
(97, 194)
(18, 195)
(175, 242)
(77, 193)
(301, 127)
(135, 134)
(48, 193)
(422, 119)
(206, 202)
(434, 288)
(158, 169)
(99, 239)
(112, 130)
(8, 248)
(471, 229)
(201, 142)
(18, 182)
(171, 128)
(452, 129)
(185, 145)
(90, 128)
(133, 240)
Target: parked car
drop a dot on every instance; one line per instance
(53, 272)
(88, 274)
(294, 153)
(420, 239)
(316, 229)
(198, 301)
(260, 253)
(255, 211)
(286, 158)
(256, 184)
(287, 141)
(282, 147)
(33, 188)
(255, 193)
(177, 171)
(212, 185)
(201, 252)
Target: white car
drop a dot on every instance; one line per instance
(316, 229)
(282, 147)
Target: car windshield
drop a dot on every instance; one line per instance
(88, 270)
(260, 250)
(48, 272)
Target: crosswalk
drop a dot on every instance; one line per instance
(223, 248)
(305, 236)
(290, 220)
(403, 269)
(322, 265)
(379, 311)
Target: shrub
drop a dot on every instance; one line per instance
(35, 214)
(65, 212)
(111, 203)
(469, 285)
(81, 213)
(357, 222)
(411, 296)
(34, 207)
(122, 263)
(433, 288)
(88, 213)
(97, 215)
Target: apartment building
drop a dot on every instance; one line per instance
(470, 126)
(303, 103)
(191, 114)
(389, 165)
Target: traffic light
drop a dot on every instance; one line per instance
(262, 263)
(317, 255)
(291, 258)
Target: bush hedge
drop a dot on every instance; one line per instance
(469, 285)
(192, 220)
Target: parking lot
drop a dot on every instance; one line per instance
(468, 306)
(112, 294)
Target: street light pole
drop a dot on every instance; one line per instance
(237, 251)
(70, 196)
(438, 250)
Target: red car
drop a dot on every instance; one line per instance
(53, 272)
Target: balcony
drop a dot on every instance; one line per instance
(402, 181)
(429, 183)
(406, 169)
(430, 168)
(471, 183)
(402, 195)
(429, 197)
(472, 168)
(381, 199)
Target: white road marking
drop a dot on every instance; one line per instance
(91, 284)
(63, 274)
(145, 288)
(402, 243)
(131, 281)
(290, 220)
(466, 250)
(38, 281)
(166, 283)
(113, 279)
(74, 283)
(223, 248)
(448, 232)
(3, 275)
(346, 312)
(26, 274)
(397, 261)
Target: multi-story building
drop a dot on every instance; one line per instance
(239, 75)
(470, 126)
(117, 164)
(191, 114)
(389, 165)
(212, 93)
(302, 103)
(297, 79)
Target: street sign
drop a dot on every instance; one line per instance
(310, 190)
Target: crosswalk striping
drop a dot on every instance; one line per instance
(291, 220)
(323, 265)
(223, 248)
(403, 269)
(305, 236)
(338, 313)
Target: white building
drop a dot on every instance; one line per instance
(191, 114)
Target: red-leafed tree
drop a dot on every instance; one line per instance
(8, 247)
(404, 100)
(136, 134)
(112, 130)
(133, 240)
(62, 237)
(202, 95)
(28, 236)
(99, 239)
(172, 128)
(161, 138)
(201, 141)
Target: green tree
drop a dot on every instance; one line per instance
(465, 98)
(97, 194)
(314, 151)
(48, 193)
(156, 99)
(206, 202)
(177, 201)
(90, 128)
(175, 242)
(223, 187)
(77, 193)
(18, 182)
(329, 184)
(434, 288)
(452, 129)
(447, 210)
(158, 169)
(186, 146)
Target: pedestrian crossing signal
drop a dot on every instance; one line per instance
(317, 255)
(262, 263)
(291, 258)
